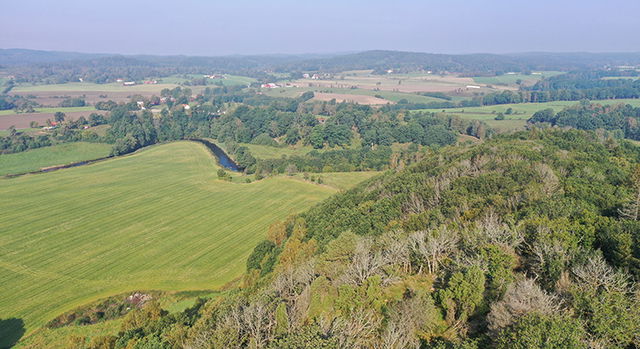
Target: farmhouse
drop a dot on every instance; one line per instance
(269, 85)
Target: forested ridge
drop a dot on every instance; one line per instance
(523, 241)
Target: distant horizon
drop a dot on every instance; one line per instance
(336, 53)
(249, 27)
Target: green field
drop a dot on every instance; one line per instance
(340, 180)
(88, 86)
(157, 219)
(4, 133)
(521, 111)
(231, 80)
(511, 79)
(50, 110)
(292, 92)
(60, 154)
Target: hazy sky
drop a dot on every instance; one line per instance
(210, 27)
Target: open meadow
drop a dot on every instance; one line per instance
(520, 112)
(61, 154)
(156, 219)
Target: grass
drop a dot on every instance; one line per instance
(58, 338)
(88, 86)
(511, 79)
(4, 133)
(157, 219)
(51, 110)
(340, 180)
(521, 111)
(61, 154)
(393, 96)
(231, 80)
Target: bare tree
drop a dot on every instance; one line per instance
(596, 274)
(365, 263)
(521, 298)
(358, 329)
(433, 247)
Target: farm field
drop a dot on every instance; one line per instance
(230, 80)
(4, 133)
(61, 154)
(511, 79)
(24, 120)
(392, 96)
(88, 87)
(521, 112)
(269, 152)
(340, 180)
(52, 95)
(157, 219)
(50, 110)
(409, 83)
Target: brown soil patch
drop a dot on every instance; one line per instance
(23, 120)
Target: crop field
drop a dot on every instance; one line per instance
(50, 110)
(60, 154)
(350, 98)
(410, 83)
(52, 95)
(24, 120)
(158, 219)
(520, 111)
(88, 86)
(512, 79)
(229, 80)
(392, 96)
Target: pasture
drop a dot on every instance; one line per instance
(520, 112)
(512, 79)
(156, 219)
(24, 120)
(392, 96)
(408, 83)
(61, 154)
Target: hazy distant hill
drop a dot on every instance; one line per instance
(16, 56)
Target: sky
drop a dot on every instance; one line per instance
(214, 28)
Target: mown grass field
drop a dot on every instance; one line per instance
(157, 219)
(61, 154)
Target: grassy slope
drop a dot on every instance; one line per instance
(61, 154)
(158, 219)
